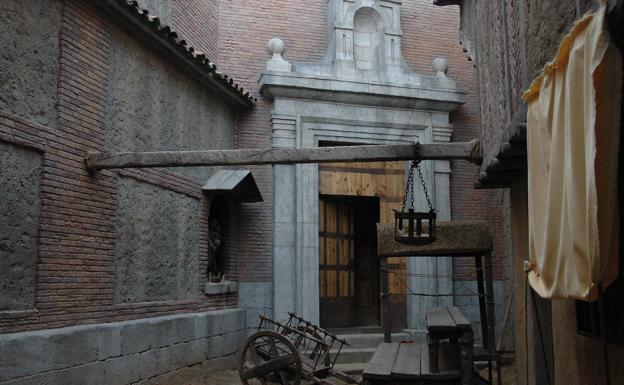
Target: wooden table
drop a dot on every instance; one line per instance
(405, 364)
(448, 323)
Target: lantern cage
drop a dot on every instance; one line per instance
(415, 227)
(410, 226)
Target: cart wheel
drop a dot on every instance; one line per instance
(269, 357)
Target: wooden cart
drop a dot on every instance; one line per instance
(286, 353)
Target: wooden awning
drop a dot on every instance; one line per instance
(239, 183)
(453, 239)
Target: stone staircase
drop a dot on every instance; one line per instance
(353, 359)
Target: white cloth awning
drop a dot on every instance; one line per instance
(573, 130)
(239, 183)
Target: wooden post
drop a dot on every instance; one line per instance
(491, 320)
(385, 302)
(369, 153)
(481, 292)
(466, 346)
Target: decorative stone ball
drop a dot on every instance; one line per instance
(276, 46)
(440, 64)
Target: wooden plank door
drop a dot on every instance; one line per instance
(336, 263)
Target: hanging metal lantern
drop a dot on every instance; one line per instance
(410, 226)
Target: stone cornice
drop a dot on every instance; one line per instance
(302, 86)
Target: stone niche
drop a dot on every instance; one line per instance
(20, 173)
(361, 92)
(157, 247)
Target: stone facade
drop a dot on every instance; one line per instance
(245, 28)
(363, 92)
(362, 84)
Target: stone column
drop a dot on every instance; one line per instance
(307, 242)
(284, 220)
(307, 231)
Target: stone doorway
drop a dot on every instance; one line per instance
(348, 267)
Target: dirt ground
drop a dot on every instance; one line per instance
(230, 377)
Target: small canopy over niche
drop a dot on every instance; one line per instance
(225, 188)
(240, 184)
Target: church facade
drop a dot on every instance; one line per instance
(119, 269)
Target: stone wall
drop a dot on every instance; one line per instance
(156, 255)
(107, 92)
(29, 71)
(30, 59)
(20, 172)
(510, 43)
(144, 351)
(101, 273)
(152, 107)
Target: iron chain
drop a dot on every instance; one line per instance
(409, 187)
(422, 181)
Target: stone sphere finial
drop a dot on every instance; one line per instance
(276, 46)
(277, 63)
(440, 66)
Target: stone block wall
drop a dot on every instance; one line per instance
(140, 351)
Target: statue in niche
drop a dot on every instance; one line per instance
(214, 243)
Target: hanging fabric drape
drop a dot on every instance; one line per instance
(573, 133)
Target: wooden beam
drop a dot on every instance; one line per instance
(368, 153)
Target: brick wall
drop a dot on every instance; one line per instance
(76, 235)
(245, 28)
(197, 21)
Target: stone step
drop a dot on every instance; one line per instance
(370, 340)
(353, 356)
(374, 329)
(352, 369)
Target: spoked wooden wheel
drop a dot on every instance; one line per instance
(269, 358)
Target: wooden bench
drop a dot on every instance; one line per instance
(403, 364)
(448, 323)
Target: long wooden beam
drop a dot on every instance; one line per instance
(368, 153)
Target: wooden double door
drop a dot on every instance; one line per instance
(348, 267)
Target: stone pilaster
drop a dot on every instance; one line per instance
(284, 220)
